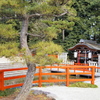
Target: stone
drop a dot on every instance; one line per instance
(52, 96)
(37, 92)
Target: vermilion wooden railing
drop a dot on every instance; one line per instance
(40, 74)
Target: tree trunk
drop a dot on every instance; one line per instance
(63, 32)
(23, 36)
(31, 66)
(28, 83)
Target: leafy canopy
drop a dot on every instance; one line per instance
(41, 25)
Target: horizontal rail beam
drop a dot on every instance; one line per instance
(12, 86)
(14, 77)
(54, 80)
(80, 73)
(71, 80)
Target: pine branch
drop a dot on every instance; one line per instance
(35, 15)
(38, 15)
(34, 50)
(62, 14)
(34, 35)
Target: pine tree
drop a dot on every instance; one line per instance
(29, 14)
(88, 12)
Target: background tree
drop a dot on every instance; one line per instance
(86, 23)
(30, 15)
(88, 11)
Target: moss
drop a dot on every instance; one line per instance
(83, 85)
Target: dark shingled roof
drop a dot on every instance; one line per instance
(89, 43)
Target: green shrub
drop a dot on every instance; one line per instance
(7, 92)
(83, 85)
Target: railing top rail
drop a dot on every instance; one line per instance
(70, 66)
(75, 66)
(13, 69)
(61, 67)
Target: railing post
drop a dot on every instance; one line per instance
(40, 76)
(74, 69)
(67, 76)
(93, 75)
(1, 80)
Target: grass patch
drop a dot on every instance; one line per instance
(7, 92)
(14, 81)
(83, 85)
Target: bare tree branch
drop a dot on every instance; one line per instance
(34, 50)
(35, 15)
(34, 35)
(62, 14)
(38, 15)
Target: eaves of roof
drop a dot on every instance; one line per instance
(89, 45)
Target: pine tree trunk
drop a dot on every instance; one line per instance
(28, 83)
(23, 36)
(31, 66)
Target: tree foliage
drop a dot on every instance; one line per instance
(22, 26)
(86, 23)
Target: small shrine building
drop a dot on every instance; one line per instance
(86, 50)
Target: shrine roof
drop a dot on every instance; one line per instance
(89, 43)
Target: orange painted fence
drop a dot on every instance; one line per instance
(67, 73)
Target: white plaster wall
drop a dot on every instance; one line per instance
(7, 60)
(4, 60)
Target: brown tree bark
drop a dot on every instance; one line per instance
(31, 66)
(28, 83)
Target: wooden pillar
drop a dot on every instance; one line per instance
(93, 74)
(67, 76)
(85, 57)
(40, 77)
(78, 58)
(1, 80)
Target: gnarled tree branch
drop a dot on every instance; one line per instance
(34, 35)
(35, 15)
(38, 15)
(62, 14)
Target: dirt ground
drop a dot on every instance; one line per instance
(30, 97)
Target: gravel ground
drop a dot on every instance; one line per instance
(70, 93)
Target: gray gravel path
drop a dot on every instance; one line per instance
(70, 93)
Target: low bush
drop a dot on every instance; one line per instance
(7, 92)
(83, 85)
